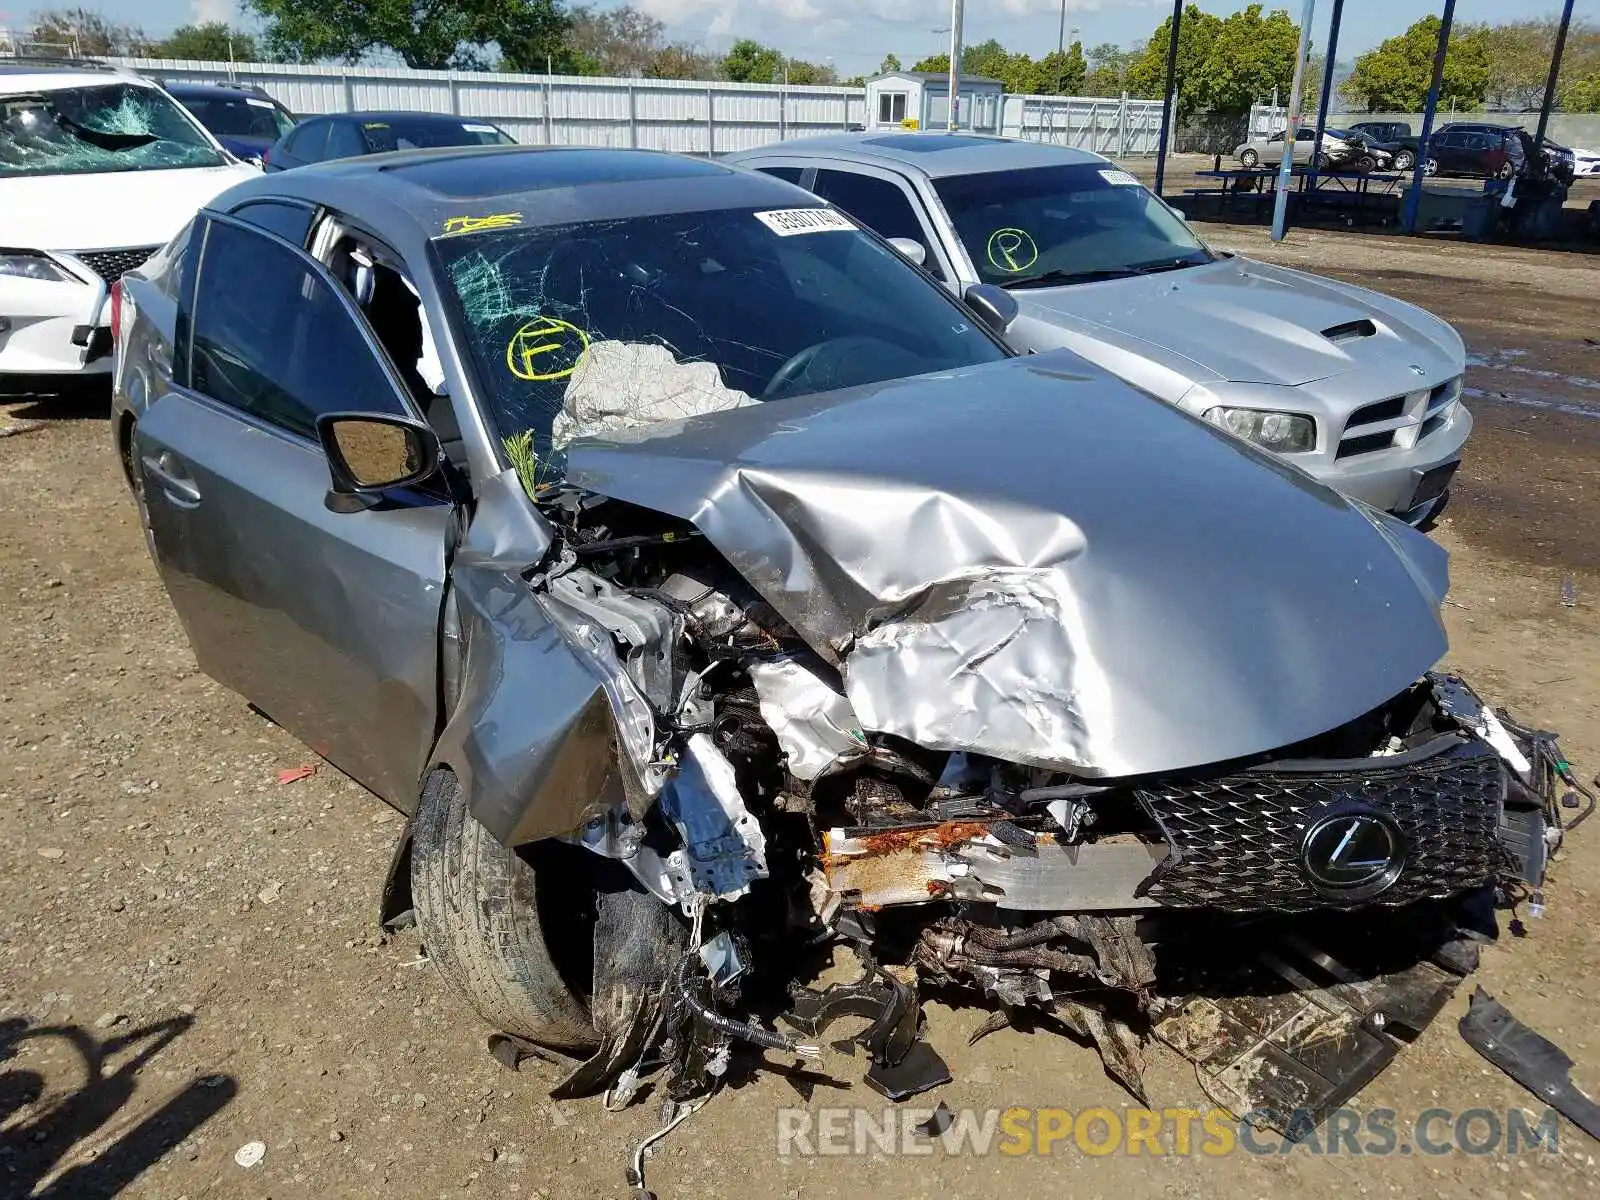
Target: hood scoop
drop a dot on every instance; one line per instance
(1350, 331)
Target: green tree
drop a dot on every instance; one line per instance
(1249, 56)
(210, 42)
(1394, 77)
(939, 64)
(748, 61)
(84, 31)
(679, 60)
(1147, 74)
(1108, 69)
(1519, 61)
(889, 65)
(619, 41)
(802, 72)
(437, 36)
(1061, 73)
(1582, 95)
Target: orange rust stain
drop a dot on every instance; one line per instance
(951, 833)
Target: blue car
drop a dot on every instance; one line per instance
(353, 134)
(244, 119)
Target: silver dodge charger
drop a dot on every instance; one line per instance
(709, 588)
(1361, 390)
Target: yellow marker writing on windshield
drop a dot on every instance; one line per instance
(1011, 251)
(476, 224)
(545, 348)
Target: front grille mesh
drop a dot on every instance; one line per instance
(111, 265)
(1237, 839)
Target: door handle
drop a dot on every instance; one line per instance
(166, 470)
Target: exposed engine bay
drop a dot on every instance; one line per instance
(756, 804)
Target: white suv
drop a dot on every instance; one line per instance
(98, 168)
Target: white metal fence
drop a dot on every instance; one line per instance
(655, 114)
(1117, 128)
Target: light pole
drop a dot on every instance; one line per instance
(957, 12)
(1280, 206)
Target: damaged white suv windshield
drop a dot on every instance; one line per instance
(108, 127)
(581, 327)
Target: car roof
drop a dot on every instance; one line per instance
(41, 77)
(220, 90)
(408, 196)
(936, 155)
(407, 115)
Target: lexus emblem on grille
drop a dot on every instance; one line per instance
(1352, 852)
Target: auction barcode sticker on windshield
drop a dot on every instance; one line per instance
(786, 222)
(479, 128)
(1119, 178)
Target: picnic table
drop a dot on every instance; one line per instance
(1355, 195)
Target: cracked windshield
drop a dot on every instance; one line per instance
(115, 127)
(1069, 224)
(603, 326)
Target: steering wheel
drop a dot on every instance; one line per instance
(830, 354)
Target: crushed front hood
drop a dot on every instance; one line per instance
(1031, 560)
(1240, 321)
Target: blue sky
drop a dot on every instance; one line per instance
(856, 34)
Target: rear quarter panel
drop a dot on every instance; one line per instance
(143, 365)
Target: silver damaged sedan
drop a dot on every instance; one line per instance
(1360, 390)
(710, 590)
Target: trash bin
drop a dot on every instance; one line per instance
(1478, 217)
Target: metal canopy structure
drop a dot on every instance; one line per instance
(1413, 197)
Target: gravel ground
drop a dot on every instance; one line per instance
(190, 965)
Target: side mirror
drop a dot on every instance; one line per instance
(371, 452)
(911, 249)
(992, 305)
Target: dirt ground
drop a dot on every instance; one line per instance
(189, 960)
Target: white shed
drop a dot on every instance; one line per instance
(921, 100)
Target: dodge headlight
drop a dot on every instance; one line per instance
(33, 266)
(1281, 432)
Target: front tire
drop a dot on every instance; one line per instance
(1250, 158)
(1404, 161)
(1432, 168)
(482, 918)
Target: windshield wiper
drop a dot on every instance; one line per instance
(1052, 278)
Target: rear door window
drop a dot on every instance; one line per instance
(273, 339)
(310, 142)
(344, 140)
(291, 222)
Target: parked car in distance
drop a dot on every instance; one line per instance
(349, 135)
(98, 168)
(1585, 163)
(1376, 155)
(245, 119)
(592, 507)
(1384, 131)
(1365, 153)
(1474, 151)
(1359, 389)
(1269, 150)
(1394, 136)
